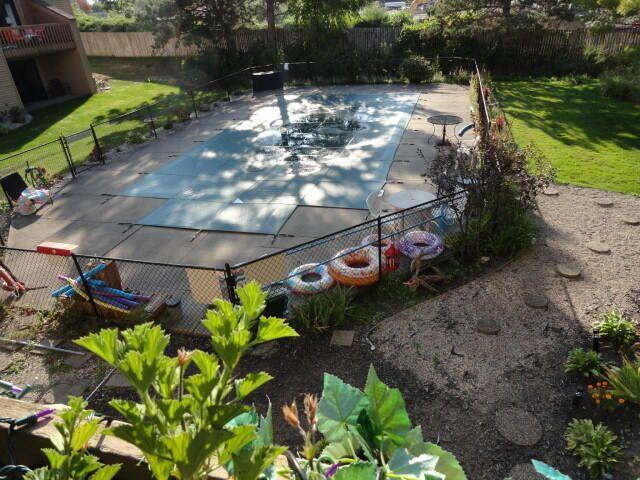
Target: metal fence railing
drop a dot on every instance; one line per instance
(186, 291)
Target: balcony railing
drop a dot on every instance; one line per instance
(31, 40)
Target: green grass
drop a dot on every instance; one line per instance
(76, 115)
(592, 141)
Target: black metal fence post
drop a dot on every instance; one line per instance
(193, 103)
(67, 154)
(231, 284)
(86, 286)
(152, 124)
(380, 268)
(97, 144)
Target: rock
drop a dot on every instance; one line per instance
(76, 361)
(484, 260)
(552, 192)
(61, 391)
(524, 471)
(568, 270)
(488, 326)
(536, 300)
(598, 247)
(342, 338)
(631, 220)
(604, 202)
(118, 380)
(265, 350)
(518, 426)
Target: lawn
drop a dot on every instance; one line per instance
(75, 115)
(592, 140)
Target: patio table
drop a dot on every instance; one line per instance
(444, 120)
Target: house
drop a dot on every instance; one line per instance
(42, 57)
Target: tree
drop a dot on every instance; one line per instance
(271, 21)
(204, 23)
(325, 14)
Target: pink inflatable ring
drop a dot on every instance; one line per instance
(421, 244)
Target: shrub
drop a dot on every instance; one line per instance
(182, 114)
(4, 130)
(622, 86)
(367, 434)
(168, 124)
(69, 459)
(17, 114)
(417, 69)
(616, 330)
(135, 137)
(182, 422)
(324, 311)
(372, 15)
(596, 447)
(624, 381)
(588, 364)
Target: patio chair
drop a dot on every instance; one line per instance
(376, 205)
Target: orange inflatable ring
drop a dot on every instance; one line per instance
(355, 267)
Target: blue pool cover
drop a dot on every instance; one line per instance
(299, 149)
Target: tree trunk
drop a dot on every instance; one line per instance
(506, 10)
(271, 22)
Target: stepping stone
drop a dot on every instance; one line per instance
(604, 202)
(265, 350)
(631, 220)
(488, 326)
(342, 338)
(598, 247)
(524, 471)
(568, 270)
(551, 192)
(118, 380)
(518, 427)
(536, 300)
(76, 361)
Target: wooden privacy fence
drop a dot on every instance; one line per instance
(141, 44)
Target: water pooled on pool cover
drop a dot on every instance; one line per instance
(298, 149)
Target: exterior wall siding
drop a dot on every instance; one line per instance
(8, 92)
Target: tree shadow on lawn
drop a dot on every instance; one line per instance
(576, 115)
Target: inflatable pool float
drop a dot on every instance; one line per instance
(309, 279)
(421, 244)
(355, 267)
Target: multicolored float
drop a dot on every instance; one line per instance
(357, 268)
(309, 279)
(420, 244)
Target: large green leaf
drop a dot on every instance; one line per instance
(408, 467)
(386, 409)
(339, 406)
(251, 382)
(106, 472)
(273, 328)
(103, 344)
(357, 471)
(447, 462)
(252, 299)
(547, 471)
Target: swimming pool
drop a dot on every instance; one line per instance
(312, 149)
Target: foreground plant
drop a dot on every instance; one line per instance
(186, 426)
(69, 460)
(596, 447)
(624, 381)
(616, 330)
(366, 435)
(586, 363)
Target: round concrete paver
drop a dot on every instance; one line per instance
(519, 427)
(631, 220)
(598, 247)
(488, 326)
(568, 270)
(524, 471)
(604, 202)
(536, 300)
(551, 192)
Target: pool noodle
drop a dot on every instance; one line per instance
(124, 301)
(97, 269)
(111, 301)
